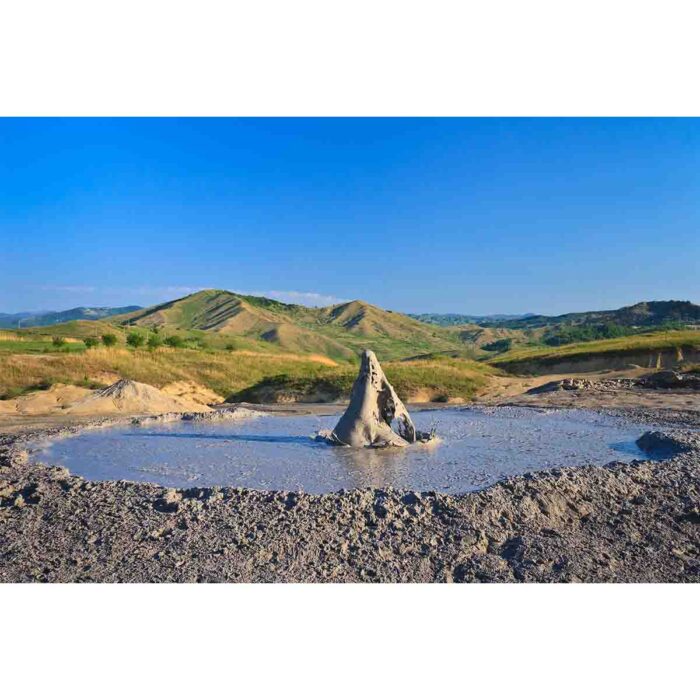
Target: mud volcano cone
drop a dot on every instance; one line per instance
(374, 408)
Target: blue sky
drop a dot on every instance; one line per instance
(444, 215)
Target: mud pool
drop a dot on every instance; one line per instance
(477, 447)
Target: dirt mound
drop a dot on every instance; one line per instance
(580, 384)
(56, 398)
(191, 391)
(126, 396)
(669, 379)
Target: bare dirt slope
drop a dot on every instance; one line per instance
(124, 397)
(129, 397)
(51, 400)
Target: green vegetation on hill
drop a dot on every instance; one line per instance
(436, 379)
(645, 313)
(260, 349)
(467, 319)
(242, 375)
(654, 341)
(339, 332)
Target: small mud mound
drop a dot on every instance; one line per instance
(578, 384)
(669, 379)
(126, 396)
(51, 400)
(191, 391)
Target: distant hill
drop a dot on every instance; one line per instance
(466, 319)
(340, 331)
(219, 319)
(49, 318)
(647, 314)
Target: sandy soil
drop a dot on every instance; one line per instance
(52, 400)
(192, 392)
(636, 522)
(124, 397)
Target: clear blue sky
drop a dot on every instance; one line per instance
(443, 215)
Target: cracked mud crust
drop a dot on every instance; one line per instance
(633, 522)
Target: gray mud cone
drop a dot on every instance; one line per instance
(374, 406)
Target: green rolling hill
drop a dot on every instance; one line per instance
(340, 331)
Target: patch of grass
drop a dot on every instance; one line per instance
(16, 392)
(434, 379)
(38, 346)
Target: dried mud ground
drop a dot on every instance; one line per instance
(628, 523)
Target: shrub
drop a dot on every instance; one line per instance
(175, 341)
(109, 339)
(565, 335)
(154, 342)
(502, 345)
(135, 340)
(91, 342)
(58, 342)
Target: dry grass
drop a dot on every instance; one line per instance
(242, 374)
(437, 379)
(222, 372)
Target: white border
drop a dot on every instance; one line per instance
(315, 641)
(365, 57)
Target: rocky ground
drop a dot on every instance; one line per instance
(636, 522)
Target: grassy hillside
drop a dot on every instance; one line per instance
(339, 331)
(467, 319)
(645, 313)
(240, 374)
(224, 372)
(655, 341)
(437, 379)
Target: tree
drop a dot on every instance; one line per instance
(154, 342)
(175, 341)
(109, 339)
(58, 342)
(91, 343)
(135, 340)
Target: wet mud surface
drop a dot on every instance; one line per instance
(476, 447)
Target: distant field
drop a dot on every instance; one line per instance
(653, 341)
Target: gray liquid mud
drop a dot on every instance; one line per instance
(477, 447)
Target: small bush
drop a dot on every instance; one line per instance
(109, 340)
(135, 340)
(502, 345)
(154, 342)
(58, 342)
(91, 343)
(175, 341)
